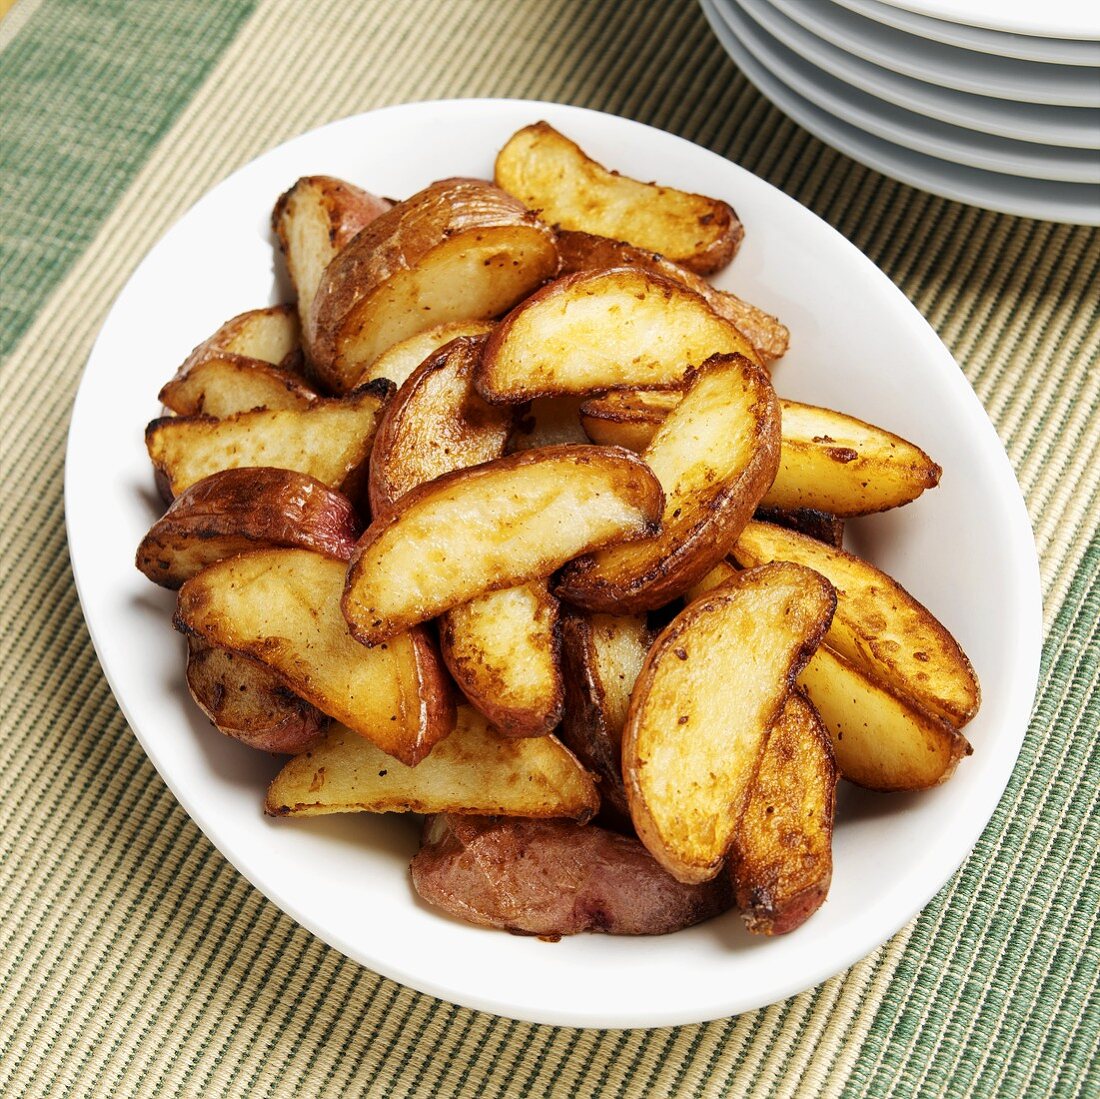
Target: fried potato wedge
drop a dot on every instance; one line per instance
(494, 526)
(238, 510)
(313, 222)
(714, 683)
(881, 741)
(549, 421)
(723, 571)
(588, 252)
(781, 859)
(552, 175)
(282, 607)
(554, 878)
(460, 250)
(435, 423)
(715, 456)
(628, 417)
(329, 441)
(814, 524)
(399, 361)
(503, 650)
(602, 330)
(878, 626)
(473, 771)
(249, 702)
(602, 655)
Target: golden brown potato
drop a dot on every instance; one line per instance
(493, 526)
(249, 702)
(878, 626)
(881, 741)
(628, 417)
(503, 650)
(601, 330)
(435, 423)
(552, 878)
(315, 220)
(781, 859)
(282, 607)
(711, 688)
(588, 252)
(552, 175)
(239, 510)
(460, 250)
(715, 456)
(473, 771)
(549, 421)
(723, 571)
(399, 361)
(330, 441)
(814, 524)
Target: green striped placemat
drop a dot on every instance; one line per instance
(133, 958)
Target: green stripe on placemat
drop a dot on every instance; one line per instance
(133, 958)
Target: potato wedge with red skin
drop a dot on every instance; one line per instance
(781, 859)
(819, 525)
(399, 361)
(330, 441)
(712, 686)
(553, 175)
(588, 252)
(459, 250)
(435, 423)
(238, 510)
(715, 456)
(878, 626)
(493, 526)
(475, 770)
(552, 878)
(247, 701)
(282, 606)
(624, 328)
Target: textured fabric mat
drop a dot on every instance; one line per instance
(133, 958)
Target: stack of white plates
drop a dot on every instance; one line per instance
(991, 102)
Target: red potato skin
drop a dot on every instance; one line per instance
(552, 878)
(350, 209)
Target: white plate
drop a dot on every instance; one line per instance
(1044, 19)
(762, 34)
(1074, 203)
(1027, 47)
(965, 549)
(936, 63)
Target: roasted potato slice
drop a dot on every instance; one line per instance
(493, 526)
(554, 878)
(714, 683)
(435, 423)
(330, 441)
(602, 655)
(781, 859)
(714, 455)
(460, 250)
(881, 741)
(814, 524)
(503, 650)
(238, 510)
(549, 421)
(601, 330)
(878, 626)
(473, 771)
(628, 417)
(315, 220)
(587, 252)
(282, 607)
(399, 361)
(246, 700)
(552, 175)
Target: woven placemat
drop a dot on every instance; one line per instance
(133, 958)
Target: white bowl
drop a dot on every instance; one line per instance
(965, 549)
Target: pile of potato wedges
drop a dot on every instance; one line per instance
(503, 523)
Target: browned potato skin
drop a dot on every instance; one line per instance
(819, 525)
(588, 252)
(239, 510)
(246, 701)
(435, 423)
(781, 859)
(403, 240)
(552, 878)
(540, 166)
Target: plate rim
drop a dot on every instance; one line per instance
(1014, 21)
